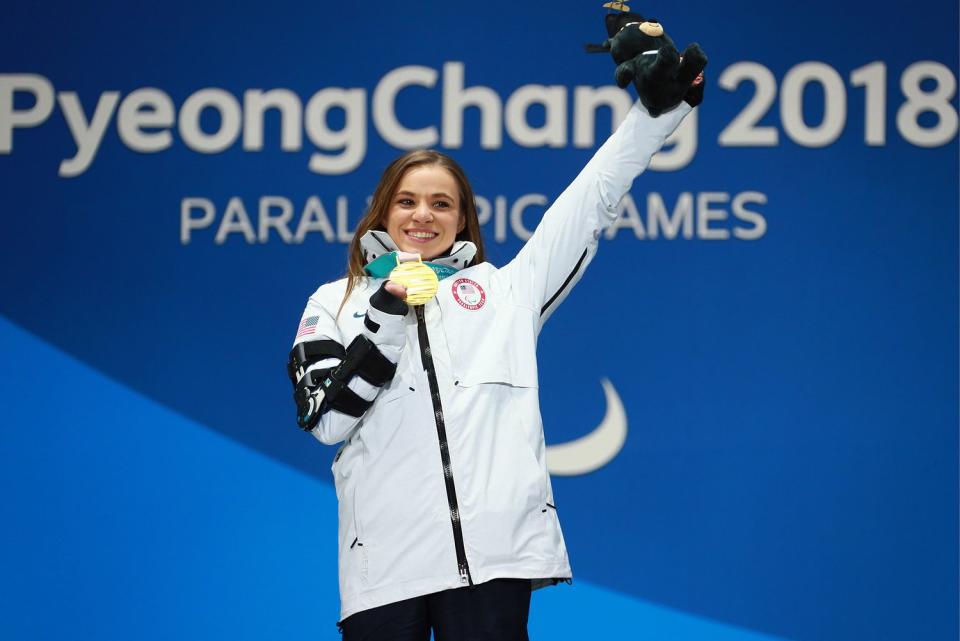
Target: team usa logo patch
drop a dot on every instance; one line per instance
(469, 294)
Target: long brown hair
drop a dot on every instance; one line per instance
(383, 196)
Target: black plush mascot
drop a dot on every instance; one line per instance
(646, 56)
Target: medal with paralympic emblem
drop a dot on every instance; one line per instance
(421, 281)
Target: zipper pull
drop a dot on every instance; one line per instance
(464, 575)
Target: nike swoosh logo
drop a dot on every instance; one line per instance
(596, 449)
(358, 314)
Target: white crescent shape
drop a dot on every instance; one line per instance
(596, 449)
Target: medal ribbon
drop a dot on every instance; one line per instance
(383, 265)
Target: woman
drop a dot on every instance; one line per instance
(447, 517)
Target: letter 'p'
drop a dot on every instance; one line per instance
(11, 118)
(188, 222)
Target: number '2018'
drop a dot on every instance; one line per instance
(744, 131)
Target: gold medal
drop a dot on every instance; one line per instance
(421, 281)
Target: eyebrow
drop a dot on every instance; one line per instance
(439, 193)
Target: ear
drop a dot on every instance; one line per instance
(462, 223)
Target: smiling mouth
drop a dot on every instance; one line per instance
(420, 236)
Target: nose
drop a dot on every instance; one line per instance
(651, 28)
(423, 213)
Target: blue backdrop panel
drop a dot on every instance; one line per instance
(776, 307)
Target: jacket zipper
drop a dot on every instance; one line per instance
(426, 357)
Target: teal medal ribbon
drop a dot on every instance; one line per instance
(381, 267)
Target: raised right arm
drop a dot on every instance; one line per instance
(334, 385)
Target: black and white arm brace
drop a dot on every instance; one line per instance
(325, 376)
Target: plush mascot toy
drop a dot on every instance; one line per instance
(646, 56)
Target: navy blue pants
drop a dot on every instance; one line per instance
(493, 611)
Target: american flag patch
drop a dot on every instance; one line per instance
(308, 326)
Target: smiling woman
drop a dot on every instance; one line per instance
(424, 204)
(447, 514)
(424, 216)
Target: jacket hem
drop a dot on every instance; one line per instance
(542, 576)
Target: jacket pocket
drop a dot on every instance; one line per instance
(386, 418)
(395, 390)
(357, 521)
(501, 349)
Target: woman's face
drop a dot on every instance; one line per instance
(424, 215)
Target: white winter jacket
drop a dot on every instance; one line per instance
(411, 524)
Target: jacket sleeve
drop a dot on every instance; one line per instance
(384, 326)
(565, 241)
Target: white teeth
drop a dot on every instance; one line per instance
(421, 234)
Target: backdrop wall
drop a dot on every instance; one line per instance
(776, 308)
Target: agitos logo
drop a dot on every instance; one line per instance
(147, 118)
(595, 449)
